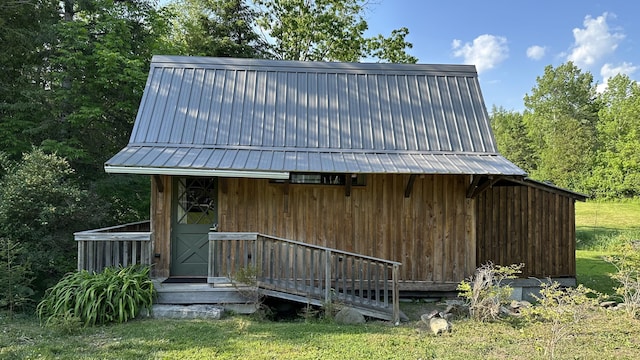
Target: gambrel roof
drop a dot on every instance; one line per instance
(266, 118)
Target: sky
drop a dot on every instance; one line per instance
(511, 41)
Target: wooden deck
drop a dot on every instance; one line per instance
(278, 267)
(125, 245)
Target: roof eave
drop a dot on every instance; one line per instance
(140, 170)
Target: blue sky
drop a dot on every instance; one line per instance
(511, 41)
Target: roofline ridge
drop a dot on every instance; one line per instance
(328, 66)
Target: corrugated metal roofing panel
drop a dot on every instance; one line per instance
(312, 116)
(299, 161)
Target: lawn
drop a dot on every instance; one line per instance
(605, 335)
(600, 227)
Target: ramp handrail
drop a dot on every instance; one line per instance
(306, 270)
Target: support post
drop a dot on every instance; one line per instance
(396, 295)
(327, 276)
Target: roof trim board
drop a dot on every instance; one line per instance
(142, 170)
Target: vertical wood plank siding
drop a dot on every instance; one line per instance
(521, 224)
(429, 232)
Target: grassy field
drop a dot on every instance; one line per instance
(600, 227)
(604, 334)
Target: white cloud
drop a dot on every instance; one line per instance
(594, 41)
(608, 71)
(485, 52)
(536, 52)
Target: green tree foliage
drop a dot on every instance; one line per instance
(215, 28)
(99, 67)
(25, 32)
(560, 117)
(327, 30)
(511, 136)
(40, 208)
(617, 169)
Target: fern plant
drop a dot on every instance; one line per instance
(114, 295)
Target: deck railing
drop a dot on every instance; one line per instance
(320, 274)
(120, 245)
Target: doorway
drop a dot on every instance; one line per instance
(194, 213)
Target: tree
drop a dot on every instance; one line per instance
(98, 70)
(26, 32)
(40, 208)
(560, 117)
(511, 136)
(215, 28)
(617, 169)
(327, 30)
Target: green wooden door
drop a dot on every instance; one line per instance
(194, 213)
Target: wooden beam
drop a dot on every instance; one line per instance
(473, 186)
(347, 184)
(484, 186)
(159, 183)
(285, 189)
(407, 190)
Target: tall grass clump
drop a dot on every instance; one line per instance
(114, 295)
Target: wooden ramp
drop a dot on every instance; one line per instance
(307, 273)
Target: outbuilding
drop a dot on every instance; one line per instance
(389, 162)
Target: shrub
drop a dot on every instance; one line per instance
(627, 264)
(560, 308)
(114, 295)
(40, 208)
(485, 293)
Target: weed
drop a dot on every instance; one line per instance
(245, 281)
(485, 293)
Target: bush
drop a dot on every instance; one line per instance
(560, 308)
(40, 208)
(485, 293)
(627, 264)
(114, 295)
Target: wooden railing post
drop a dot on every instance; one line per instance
(327, 276)
(396, 294)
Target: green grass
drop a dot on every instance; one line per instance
(603, 225)
(607, 335)
(600, 228)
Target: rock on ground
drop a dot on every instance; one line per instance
(349, 316)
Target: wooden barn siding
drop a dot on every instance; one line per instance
(520, 224)
(432, 232)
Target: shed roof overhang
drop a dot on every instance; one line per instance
(279, 163)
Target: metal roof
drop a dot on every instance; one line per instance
(270, 117)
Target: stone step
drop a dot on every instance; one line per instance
(209, 312)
